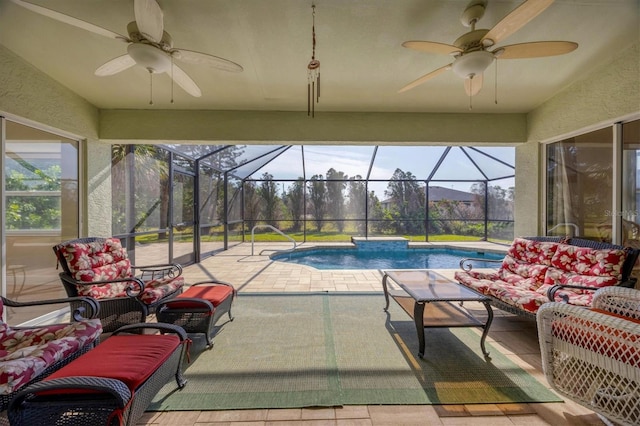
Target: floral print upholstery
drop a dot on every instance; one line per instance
(107, 260)
(27, 353)
(531, 268)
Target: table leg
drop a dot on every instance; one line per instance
(386, 292)
(485, 330)
(418, 318)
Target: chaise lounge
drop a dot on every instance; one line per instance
(29, 354)
(537, 270)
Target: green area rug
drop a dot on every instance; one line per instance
(331, 349)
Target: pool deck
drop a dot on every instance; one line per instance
(258, 273)
(515, 337)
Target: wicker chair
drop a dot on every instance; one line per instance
(30, 354)
(592, 355)
(100, 268)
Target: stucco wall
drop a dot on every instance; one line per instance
(29, 94)
(602, 97)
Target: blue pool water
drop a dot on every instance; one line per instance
(410, 258)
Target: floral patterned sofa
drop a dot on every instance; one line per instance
(537, 270)
(28, 354)
(100, 268)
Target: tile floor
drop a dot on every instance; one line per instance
(512, 335)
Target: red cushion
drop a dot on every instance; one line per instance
(598, 337)
(215, 294)
(129, 358)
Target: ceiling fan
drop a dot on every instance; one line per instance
(148, 45)
(471, 50)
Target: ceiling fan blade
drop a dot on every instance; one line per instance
(149, 18)
(115, 65)
(515, 20)
(473, 85)
(183, 80)
(536, 49)
(193, 57)
(70, 20)
(424, 78)
(431, 47)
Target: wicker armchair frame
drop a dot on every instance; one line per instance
(109, 402)
(593, 357)
(201, 316)
(81, 308)
(120, 311)
(627, 280)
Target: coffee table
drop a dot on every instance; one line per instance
(420, 287)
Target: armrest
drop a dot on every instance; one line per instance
(162, 327)
(618, 300)
(150, 272)
(116, 388)
(87, 307)
(467, 265)
(131, 289)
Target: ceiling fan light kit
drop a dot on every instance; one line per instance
(151, 58)
(471, 64)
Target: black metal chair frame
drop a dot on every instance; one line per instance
(120, 311)
(81, 308)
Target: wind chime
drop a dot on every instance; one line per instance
(313, 72)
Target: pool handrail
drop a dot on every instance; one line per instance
(274, 229)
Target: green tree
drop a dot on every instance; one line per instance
(336, 184)
(268, 193)
(295, 203)
(251, 202)
(33, 212)
(357, 189)
(407, 199)
(318, 199)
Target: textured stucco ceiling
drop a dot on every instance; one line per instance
(358, 44)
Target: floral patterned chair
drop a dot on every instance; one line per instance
(29, 354)
(100, 268)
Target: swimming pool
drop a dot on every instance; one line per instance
(410, 258)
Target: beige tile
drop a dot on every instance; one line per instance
(232, 416)
(352, 412)
(403, 415)
(284, 414)
(321, 413)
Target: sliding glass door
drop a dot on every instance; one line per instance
(41, 209)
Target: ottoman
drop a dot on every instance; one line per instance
(198, 308)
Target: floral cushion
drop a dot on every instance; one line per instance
(99, 261)
(529, 260)
(155, 290)
(25, 354)
(532, 252)
(585, 267)
(476, 280)
(587, 261)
